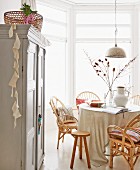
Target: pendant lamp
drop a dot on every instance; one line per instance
(116, 52)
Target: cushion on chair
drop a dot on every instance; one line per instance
(133, 133)
(65, 113)
(80, 101)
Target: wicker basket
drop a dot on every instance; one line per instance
(18, 17)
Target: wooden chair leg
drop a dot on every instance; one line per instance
(87, 153)
(131, 159)
(80, 148)
(111, 155)
(59, 133)
(63, 139)
(73, 153)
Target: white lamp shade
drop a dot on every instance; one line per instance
(116, 52)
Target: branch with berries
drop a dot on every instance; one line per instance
(104, 70)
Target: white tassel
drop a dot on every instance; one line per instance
(15, 77)
(12, 92)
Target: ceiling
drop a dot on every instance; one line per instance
(101, 1)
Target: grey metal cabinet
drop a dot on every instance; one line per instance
(22, 147)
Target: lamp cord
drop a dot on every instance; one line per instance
(116, 30)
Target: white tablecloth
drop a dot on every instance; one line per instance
(96, 121)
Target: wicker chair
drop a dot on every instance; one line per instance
(84, 96)
(66, 122)
(135, 100)
(125, 142)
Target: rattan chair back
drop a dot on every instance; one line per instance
(88, 95)
(135, 100)
(66, 122)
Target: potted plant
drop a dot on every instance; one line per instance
(29, 14)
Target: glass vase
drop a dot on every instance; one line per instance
(110, 97)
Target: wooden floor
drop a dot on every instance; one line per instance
(60, 159)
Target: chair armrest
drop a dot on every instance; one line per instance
(110, 127)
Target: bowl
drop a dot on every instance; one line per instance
(96, 103)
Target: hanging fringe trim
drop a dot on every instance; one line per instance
(15, 77)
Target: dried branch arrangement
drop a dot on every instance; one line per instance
(104, 70)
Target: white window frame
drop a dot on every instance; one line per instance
(72, 10)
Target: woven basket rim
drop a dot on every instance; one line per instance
(17, 17)
(20, 12)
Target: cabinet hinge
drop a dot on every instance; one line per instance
(22, 68)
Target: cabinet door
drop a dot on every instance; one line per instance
(10, 137)
(40, 105)
(31, 107)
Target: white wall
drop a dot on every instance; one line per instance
(7, 5)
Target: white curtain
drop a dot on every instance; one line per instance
(32, 3)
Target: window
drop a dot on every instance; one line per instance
(55, 30)
(95, 35)
(55, 70)
(93, 32)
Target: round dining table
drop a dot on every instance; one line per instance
(96, 121)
